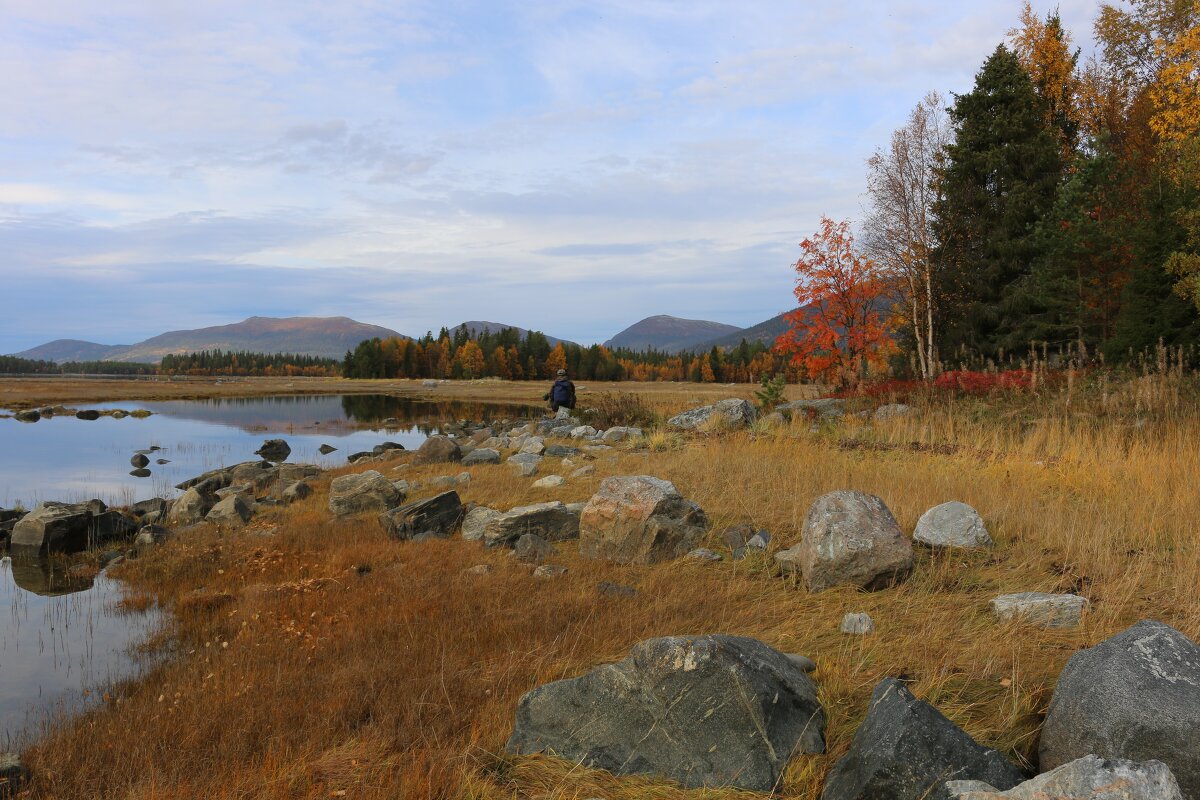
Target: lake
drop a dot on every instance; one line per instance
(68, 459)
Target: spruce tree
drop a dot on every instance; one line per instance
(998, 181)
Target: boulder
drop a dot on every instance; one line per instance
(262, 475)
(153, 505)
(552, 521)
(207, 481)
(525, 464)
(825, 407)
(139, 461)
(849, 539)
(532, 549)
(703, 554)
(952, 524)
(481, 455)
(437, 516)
(1135, 696)
(535, 445)
(437, 450)
(1087, 778)
(274, 450)
(141, 472)
(1039, 608)
(53, 528)
(582, 432)
(27, 416)
(242, 490)
(191, 507)
(561, 451)
(620, 433)
(88, 414)
(549, 482)
(475, 522)
(666, 711)
(906, 750)
(296, 491)
(361, 493)
(892, 411)
(233, 510)
(386, 447)
(733, 412)
(639, 519)
(584, 472)
(858, 623)
(326, 449)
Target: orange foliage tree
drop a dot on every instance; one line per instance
(838, 331)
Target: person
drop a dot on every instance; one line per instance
(562, 393)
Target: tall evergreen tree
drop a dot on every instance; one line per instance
(999, 180)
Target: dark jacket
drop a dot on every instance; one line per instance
(561, 394)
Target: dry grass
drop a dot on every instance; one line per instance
(326, 658)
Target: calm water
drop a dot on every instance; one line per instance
(64, 458)
(62, 641)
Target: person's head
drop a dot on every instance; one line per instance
(562, 373)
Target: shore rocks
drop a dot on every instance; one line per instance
(191, 507)
(666, 711)
(233, 510)
(952, 524)
(906, 749)
(728, 414)
(849, 539)
(91, 415)
(139, 461)
(326, 449)
(1087, 778)
(66, 528)
(553, 521)
(1039, 608)
(274, 450)
(475, 522)
(1134, 696)
(437, 450)
(27, 416)
(481, 455)
(639, 519)
(437, 516)
(361, 493)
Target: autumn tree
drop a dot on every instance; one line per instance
(1044, 50)
(902, 184)
(838, 330)
(469, 359)
(557, 359)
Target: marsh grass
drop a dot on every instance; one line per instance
(314, 657)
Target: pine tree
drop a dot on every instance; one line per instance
(999, 180)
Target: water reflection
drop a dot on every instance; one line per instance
(63, 641)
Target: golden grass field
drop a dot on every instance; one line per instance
(313, 658)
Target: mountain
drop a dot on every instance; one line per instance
(668, 334)
(477, 327)
(329, 337)
(61, 350)
(766, 332)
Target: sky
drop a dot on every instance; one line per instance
(565, 166)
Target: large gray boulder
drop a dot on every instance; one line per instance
(1087, 778)
(58, 528)
(525, 464)
(362, 493)
(274, 450)
(475, 523)
(481, 455)
(552, 521)
(532, 549)
(733, 412)
(232, 511)
(700, 710)
(437, 450)
(906, 750)
(1135, 696)
(639, 519)
(849, 539)
(620, 433)
(952, 524)
(191, 507)
(437, 516)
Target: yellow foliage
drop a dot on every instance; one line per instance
(1176, 93)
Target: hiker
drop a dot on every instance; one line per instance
(562, 393)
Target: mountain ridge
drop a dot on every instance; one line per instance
(668, 334)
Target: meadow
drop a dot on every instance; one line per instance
(311, 657)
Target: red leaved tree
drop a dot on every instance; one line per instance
(839, 329)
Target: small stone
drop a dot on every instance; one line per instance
(583, 472)
(858, 623)
(549, 571)
(1040, 608)
(326, 449)
(952, 524)
(532, 549)
(549, 482)
(759, 541)
(139, 461)
(703, 554)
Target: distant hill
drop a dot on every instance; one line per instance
(668, 334)
(62, 350)
(766, 332)
(329, 337)
(477, 327)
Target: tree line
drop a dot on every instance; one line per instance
(509, 355)
(229, 362)
(13, 365)
(1056, 206)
